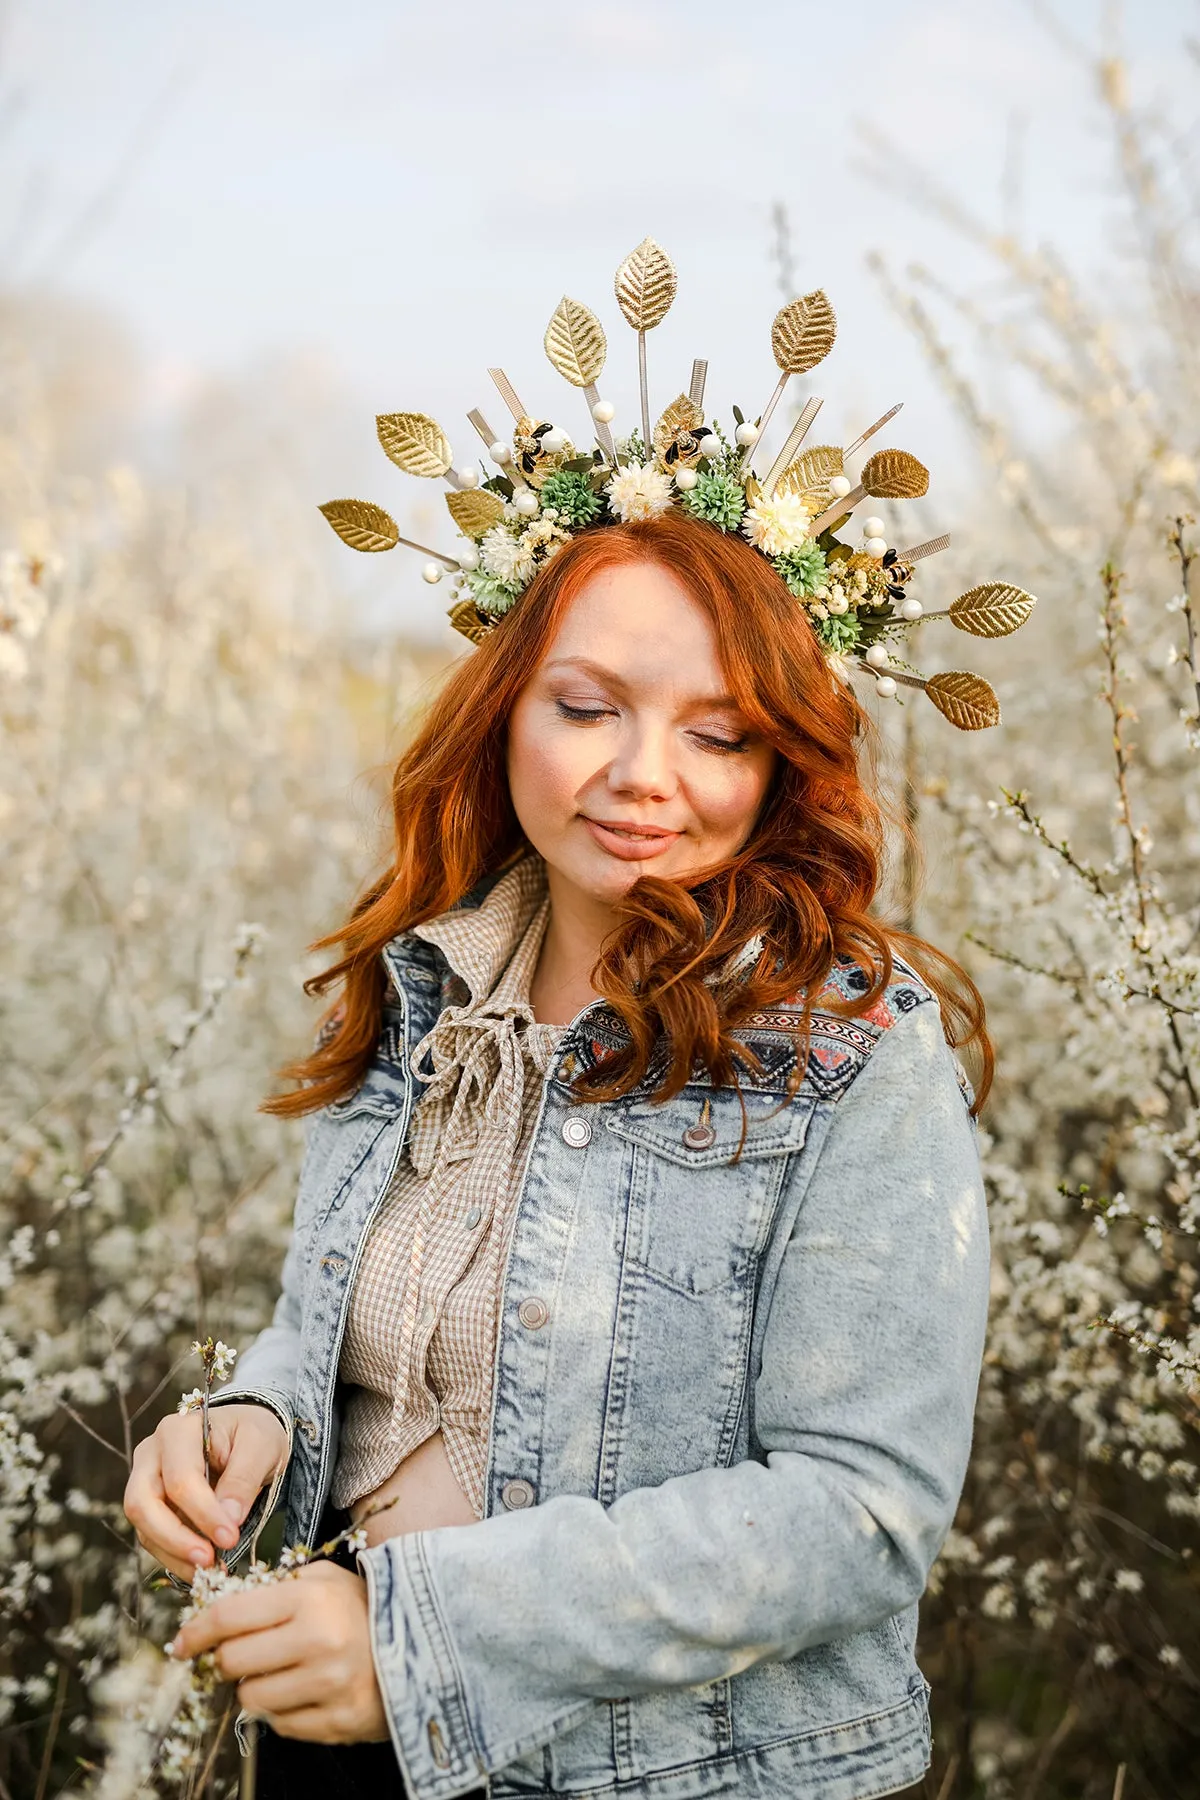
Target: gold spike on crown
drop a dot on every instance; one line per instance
(544, 492)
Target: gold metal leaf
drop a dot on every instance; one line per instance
(677, 434)
(803, 333)
(575, 342)
(894, 475)
(467, 618)
(415, 443)
(475, 511)
(992, 610)
(362, 525)
(809, 476)
(965, 699)
(645, 285)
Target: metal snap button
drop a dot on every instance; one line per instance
(517, 1494)
(699, 1137)
(472, 1218)
(577, 1131)
(533, 1313)
(568, 1066)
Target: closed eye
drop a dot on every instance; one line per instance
(733, 746)
(587, 713)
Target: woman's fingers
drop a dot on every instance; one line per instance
(284, 1690)
(252, 1612)
(255, 1653)
(186, 1484)
(159, 1527)
(247, 1455)
(311, 1724)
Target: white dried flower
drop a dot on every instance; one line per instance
(506, 556)
(777, 525)
(640, 493)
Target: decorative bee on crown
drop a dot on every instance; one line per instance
(543, 492)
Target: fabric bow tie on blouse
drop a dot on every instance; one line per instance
(477, 1075)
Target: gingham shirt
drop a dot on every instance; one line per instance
(421, 1334)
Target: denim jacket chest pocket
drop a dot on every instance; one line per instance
(700, 1212)
(345, 1134)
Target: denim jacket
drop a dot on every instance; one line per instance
(724, 1450)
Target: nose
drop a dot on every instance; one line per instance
(643, 767)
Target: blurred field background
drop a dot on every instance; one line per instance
(230, 238)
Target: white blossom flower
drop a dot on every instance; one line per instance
(640, 493)
(14, 663)
(506, 556)
(779, 524)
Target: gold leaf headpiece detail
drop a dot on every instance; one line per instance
(966, 700)
(803, 333)
(809, 476)
(677, 430)
(466, 618)
(475, 511)
(415, 443)
(362, 525)
(575, 343)
(645, 285)
(894, 475)
(992, 610)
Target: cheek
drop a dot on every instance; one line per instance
(727, 797)
(546, 768)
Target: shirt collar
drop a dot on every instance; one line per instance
(494, 947)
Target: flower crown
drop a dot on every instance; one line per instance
(544, 492)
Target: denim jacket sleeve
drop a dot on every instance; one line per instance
(266, 1376)
(491, 1639)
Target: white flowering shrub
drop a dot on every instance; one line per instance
(1062, 1633)
(179, 818)
(176, 765)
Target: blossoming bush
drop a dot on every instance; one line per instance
(178, 819)
(1063, 1632)
(177, 760)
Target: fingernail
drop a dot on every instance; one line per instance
(199, 1555)
(227, 1535)
(234, 1509)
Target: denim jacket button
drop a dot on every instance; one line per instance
(699, 1137)
(517, 1494)
(577, 1131)
(533, 1313)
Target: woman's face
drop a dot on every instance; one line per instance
(626, 754)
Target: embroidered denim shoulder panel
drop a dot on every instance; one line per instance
(838, 1048)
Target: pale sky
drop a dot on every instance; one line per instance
(401, 193)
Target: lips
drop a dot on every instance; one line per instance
(630, 841)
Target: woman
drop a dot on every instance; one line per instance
(646, 1341)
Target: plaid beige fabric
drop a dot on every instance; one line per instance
(420, 1339)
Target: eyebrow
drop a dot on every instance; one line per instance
(718, 702)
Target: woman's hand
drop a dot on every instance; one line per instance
(179, 1518)
(300, 1652)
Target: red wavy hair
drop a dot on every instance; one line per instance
(805, 879)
